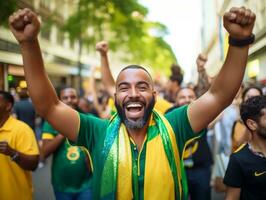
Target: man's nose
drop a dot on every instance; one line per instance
(133, 92)
(69, 99)
(188, 100)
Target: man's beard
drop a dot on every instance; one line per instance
(261, 131)
(140, 123)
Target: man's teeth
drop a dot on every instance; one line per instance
(134, 105)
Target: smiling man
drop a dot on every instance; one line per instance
(135, 102)
(137, 153)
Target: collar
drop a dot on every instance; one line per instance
(257, 153)
(8, 124)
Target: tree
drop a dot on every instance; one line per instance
(124, 25)
(7, 8)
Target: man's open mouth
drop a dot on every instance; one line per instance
(134, 110)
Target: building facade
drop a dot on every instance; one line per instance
(215, 38)
(62, 58)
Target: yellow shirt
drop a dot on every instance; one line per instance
(162, 105)
(15, 182)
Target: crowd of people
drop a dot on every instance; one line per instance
(138, 138)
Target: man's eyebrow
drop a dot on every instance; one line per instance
(143, 82)
(122, 83)
(138, 83)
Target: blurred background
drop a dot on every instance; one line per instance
(151, 33)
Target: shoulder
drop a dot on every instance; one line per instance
(162, 105)
(21, 130)
(19, 125)
(242, 152)
(91, 118)
(177, 111)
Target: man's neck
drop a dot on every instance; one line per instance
(138, 135)
(258, 144)
(3, 119)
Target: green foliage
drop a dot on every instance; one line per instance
(7, 7)
(123, 25)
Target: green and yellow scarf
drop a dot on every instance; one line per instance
(117, 176)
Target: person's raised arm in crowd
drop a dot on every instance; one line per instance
(203, 83)
(239, 23)
(25, 26)
(99, 108)
(108, 80)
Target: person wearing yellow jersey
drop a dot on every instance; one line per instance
(19, 153)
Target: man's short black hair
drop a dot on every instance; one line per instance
(185, 87)
(7, 96)
(135, 67)
(177, 74)
(61, 88)
(249, 88)
(251, 109)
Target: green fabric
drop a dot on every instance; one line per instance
(92, 135)
(69, 169)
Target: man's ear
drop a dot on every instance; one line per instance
(252, 125)
(9, 106)
(155, 95)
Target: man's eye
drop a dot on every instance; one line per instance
(143, 88)
(123, 89)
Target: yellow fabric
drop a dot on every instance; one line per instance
(124, 183)
(47, 136)
(157, 177)
(239, 148)
(15, 182)
(238, 135)
(111, 105)
(176, 153)
(190, 150)
(85, 151)
(154, 184)
(162, 105)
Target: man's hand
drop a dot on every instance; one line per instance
(6, 149)
(201, 61)
(102, 47)
(24, 25)
(239, 22)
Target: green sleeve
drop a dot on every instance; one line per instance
(179, 121)
(47, 128)
(91, 130)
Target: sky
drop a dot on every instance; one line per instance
(183, 20)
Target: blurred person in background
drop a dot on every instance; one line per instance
(203, 83)
(174, 83)
(87, 106)
(197, 155)
(245, 175)
(24, 110)
(70, 172)
(231, 133)
(240, 134)
(19, 153)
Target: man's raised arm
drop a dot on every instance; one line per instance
(25, 26)
(239, 23)
(107, 77)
